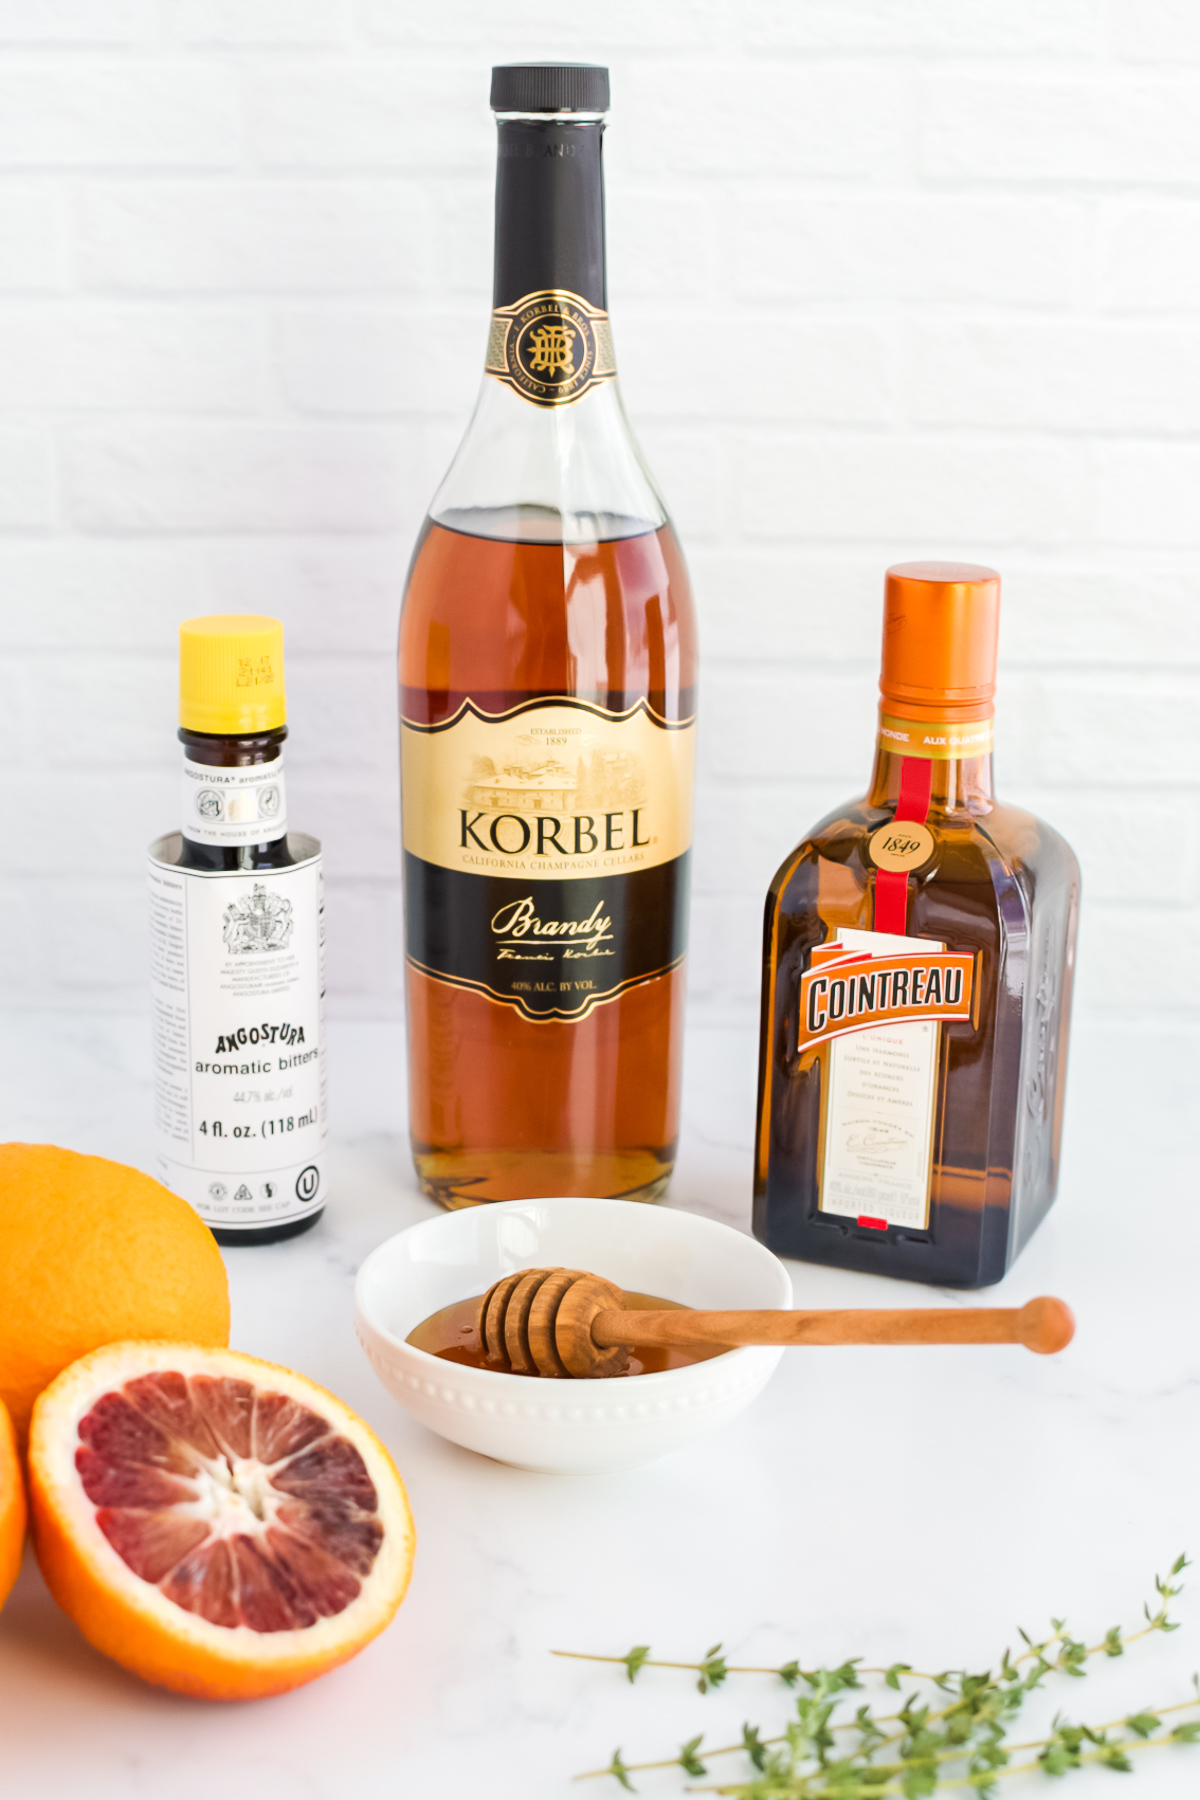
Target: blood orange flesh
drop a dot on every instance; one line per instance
(238, 1504)
(213, 1522)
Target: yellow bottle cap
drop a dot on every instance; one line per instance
(231, 674)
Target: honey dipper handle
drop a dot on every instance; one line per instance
(1045, 1325)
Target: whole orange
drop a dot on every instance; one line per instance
(91, 1251)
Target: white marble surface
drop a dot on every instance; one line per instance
(914, 1504)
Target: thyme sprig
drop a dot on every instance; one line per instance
(923, 1747)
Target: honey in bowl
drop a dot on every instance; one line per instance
(453, 1334)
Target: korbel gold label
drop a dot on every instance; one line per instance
(546, 851)
(552, 347)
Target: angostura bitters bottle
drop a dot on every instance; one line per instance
(919, 951)
(547, 694)
(237, 937)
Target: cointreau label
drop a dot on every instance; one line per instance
(853, 989)
(877, 1000)
(546, 851)
(551, 347)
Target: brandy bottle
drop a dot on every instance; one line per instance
(918, 958)
(547, 699)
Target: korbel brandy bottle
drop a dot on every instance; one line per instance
(918, 958)
(547, 696)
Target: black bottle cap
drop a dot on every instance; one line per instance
(549, 87)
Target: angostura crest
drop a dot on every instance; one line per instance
(262, 921)
(551, 347)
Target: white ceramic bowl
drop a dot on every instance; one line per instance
(566, 1427)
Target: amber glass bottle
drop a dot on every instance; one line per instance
(918, 958)
(547, 698)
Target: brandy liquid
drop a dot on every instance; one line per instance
(453, 1334)
(503, 1107)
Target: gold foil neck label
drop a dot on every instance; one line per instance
(936, 740)
(551, 347)
(555, 790)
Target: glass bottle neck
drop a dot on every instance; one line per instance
(958, 785)
(548, 455)
(234, 797)
(549, 209)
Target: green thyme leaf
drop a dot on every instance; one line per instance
(713, 1670)
(953, 1736)
(688, 1759)
(754, 1747)
(617, 1768)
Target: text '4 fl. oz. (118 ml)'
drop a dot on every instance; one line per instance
(237, 945)
(919, 951)
(547, 696)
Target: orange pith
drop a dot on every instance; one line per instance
(214, 1523)
(12, 1506)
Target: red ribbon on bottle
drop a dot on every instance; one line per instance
(912, 808)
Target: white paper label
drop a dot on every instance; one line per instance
(232, 807)
(879, 1110)
(239, 1054)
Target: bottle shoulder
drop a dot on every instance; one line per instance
(572, 474)
(1000, 847)
(1028, 845)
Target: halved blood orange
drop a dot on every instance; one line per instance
(12, 1506)
(216, 1524)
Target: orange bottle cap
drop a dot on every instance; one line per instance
(941, 622)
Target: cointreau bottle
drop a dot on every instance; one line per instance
(547, 697)
(919, 950)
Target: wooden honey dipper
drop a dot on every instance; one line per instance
(565, 1322)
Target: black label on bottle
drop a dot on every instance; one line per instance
(552, 949)
(551, 347)
(546, 850)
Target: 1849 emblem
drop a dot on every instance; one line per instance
(262, 921)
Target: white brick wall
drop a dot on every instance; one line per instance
(889, 277)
